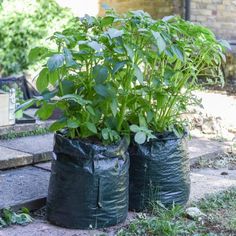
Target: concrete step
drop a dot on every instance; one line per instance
(25, 151)
(27, 186)
(34, 149)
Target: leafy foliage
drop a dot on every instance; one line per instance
(161, 222)
(115, 73)
(23, 26)
(8, 217)
(219, 210)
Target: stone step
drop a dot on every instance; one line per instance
(200, 148)
(25, 151)
(34, 149)
(27, 187)
(27, 127)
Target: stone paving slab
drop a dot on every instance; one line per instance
(33, 144)
(44, 166)
(10, 158)
(202, 148)
(204, 181)
(38, 148)
(20, 128)
(23, 186)
(208, 181)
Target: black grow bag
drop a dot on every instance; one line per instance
(89, 184)
(159, 171)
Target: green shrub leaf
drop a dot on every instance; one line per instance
(138, 73)
(38, 53)
(114, 33)
(42, 80)
(101, 90)
(140, 137)
(161, 44)
(55, 62)
(91, 127)
(100, 74)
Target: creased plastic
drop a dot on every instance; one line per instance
(159, 171)
(89, 184)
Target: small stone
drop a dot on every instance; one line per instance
(224, 173)
(194, 213)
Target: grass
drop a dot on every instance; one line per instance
(13, 135)
(220, 219)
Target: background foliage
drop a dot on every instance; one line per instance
(23, 25)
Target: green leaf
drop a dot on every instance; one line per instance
(130, 52)
(134, 128)
(161, 100)
(73, 124)
(105, 133)
(150, 116)
(118, 66)
(68, 87)
(161, 44)
(96, 46)
(114, 107)
(101, 90)
(45, 111)
(37, 53)
(60, 124)
(225, 44)
(114, 33)
(168, 18)
(138, 73)
(55, 62)
(68, 57)
(76, 98)
(42, 80)
(91, 127)
(107, 20)
(53, 77)
(177, 52)
(90, 110)
(140, 137)
(26, 105)
(100, 73)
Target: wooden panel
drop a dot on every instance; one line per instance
(4, 109)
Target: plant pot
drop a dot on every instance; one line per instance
(159, 171)
(89, 184)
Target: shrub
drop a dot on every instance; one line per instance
(23, 25)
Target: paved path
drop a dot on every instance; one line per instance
(28, 185)
(34, 149)
(204, 182)
(24, 151)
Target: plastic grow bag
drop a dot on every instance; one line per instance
(89, 184)
(159, 171)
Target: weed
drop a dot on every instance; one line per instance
(8, 217)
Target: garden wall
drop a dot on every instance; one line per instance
(156, 8)
(219, 15)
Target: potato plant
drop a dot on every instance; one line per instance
(117, 74)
